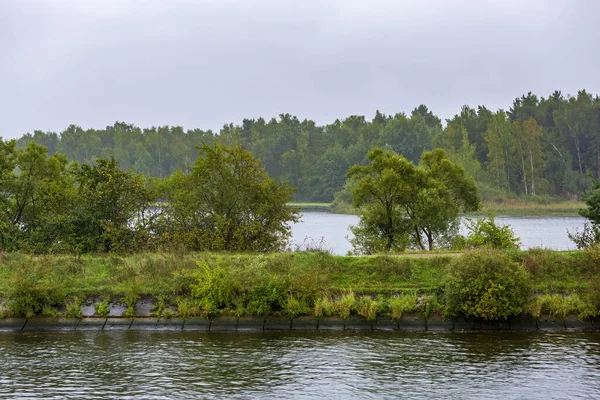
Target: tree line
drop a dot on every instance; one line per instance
(226, 202)
(539, 146)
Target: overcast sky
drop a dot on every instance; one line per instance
(201, 64)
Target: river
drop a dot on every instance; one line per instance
(547, 232)
(285, 365)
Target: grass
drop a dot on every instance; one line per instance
(531, 209)
(259, 284)
(509, 207)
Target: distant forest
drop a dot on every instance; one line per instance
(539, 147)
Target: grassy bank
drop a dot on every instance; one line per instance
(517, 208)
(289, 284)
(312, 206)
(531, 209)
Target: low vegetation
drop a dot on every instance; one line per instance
(481, 284)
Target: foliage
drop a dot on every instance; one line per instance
(485, 232)
(228, 202)
(73, 308)
(403, 205)
(486, 284)
(214, 285)
(345, 305)
(590, 235)
(324, 307)
(367, 307)
(586, 238)
(401, 305)
(102, 308)
(539, 146)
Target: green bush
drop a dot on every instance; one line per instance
(214, 285)
(485, 284)
(485, 232)
(102, 308)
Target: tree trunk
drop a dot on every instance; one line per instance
(532, 174)
(523, 168)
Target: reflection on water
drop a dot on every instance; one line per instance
(548, 232)
(139, 364)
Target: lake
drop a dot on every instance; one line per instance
(286, 365)
(547, 232)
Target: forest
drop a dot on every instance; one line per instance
(540, 146)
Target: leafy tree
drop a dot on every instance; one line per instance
(402, 205)
(110, 210)
(228, 202)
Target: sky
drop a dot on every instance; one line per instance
(201, 64)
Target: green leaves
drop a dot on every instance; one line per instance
(229, 202)
(486, 284)
(402, 205)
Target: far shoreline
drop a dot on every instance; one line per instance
(510, 208)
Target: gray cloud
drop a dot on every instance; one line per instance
(205, 63)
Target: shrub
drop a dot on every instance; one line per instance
(485, 232)
(485, 284)
(214, 285)
(102, 308)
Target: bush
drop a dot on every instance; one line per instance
(102, 308)
(485, 232)
(214, 285)
(485, 284)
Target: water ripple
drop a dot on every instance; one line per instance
(164, 365)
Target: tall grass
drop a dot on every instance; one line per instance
(290, 284)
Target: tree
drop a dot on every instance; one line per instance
(402, 205)
(228, 202)
(110, 209)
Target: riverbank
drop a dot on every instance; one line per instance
(510, 208)
(410, 322)
(284, 285)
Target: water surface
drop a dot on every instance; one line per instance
(286, 365)
(547, 232)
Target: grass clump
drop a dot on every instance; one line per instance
(345, 305)
(73, 306)
(324, 307)
(400, 305)
(102, 308)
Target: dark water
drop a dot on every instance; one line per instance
(547, 232)
(330, 365)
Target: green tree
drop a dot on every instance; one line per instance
(228, 202)
(403, 205)
(110, 209)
